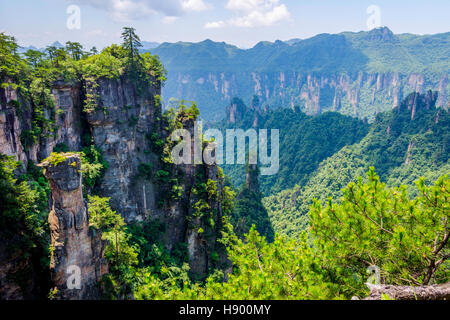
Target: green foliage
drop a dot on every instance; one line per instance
(162, 176)
(157, 71)
(153, 255)
(61, 147)
(93, 166)
(305, 141)
(156, 143)
(284, 269)
(248, 209)
(102, 217)
(121, 255)
(374, 225)
(131, 44)
(23, 221)
(379, 226)
(402, 149)
(55, 158)
(75, 49)
(108, 64)
(11, 65)
(18, 204)
(145, 170)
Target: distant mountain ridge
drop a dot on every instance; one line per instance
(358, 74)
(146, 45)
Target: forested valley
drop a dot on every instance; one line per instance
(87, 181)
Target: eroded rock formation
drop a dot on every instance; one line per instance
(125, 115)
(357, 94)
(434, 292)
(77, 261)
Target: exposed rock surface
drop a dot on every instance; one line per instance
(119, 127)
(10, 127)
(434, 292)
(358, 94)
(16, 116)
(76, 248)
(120, 124)
(417, 100)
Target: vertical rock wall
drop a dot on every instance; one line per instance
(125, 115)
(360, 94)
(76, 250)
(119, 126)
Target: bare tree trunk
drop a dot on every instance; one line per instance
(435, 292)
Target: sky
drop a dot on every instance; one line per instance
(240, 22)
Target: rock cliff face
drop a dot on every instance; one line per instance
(124, 117)
(77, 260)
(357, 94)
(119, 127)
(417, 100)
(10, 126)
(16, 116)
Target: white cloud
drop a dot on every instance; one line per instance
(128, 10)
(258, 18)
(215, 24)
(251, 5)
(194, 5)
(253, 13)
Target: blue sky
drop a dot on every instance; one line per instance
(239, 22)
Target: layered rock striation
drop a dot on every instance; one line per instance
(77, 256)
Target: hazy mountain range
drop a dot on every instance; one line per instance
(358, 74)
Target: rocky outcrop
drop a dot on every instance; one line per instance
(235, 112)
(16, 117)
(415, 100)
(433, 292)
(201, 237)
(119, 126)
(10, 126)
(124, 115)
(252, 178)
(77, 262)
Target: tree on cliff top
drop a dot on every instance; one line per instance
(10, 62)
(75, 49)
(131, 43)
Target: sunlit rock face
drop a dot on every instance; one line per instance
(77, 251)
(126, 113)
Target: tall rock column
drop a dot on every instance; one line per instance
(77, 262)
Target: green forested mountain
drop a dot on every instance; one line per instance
(305, 141)
(348, 51)
(403, 145)
(357, 74)
(88, 183)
